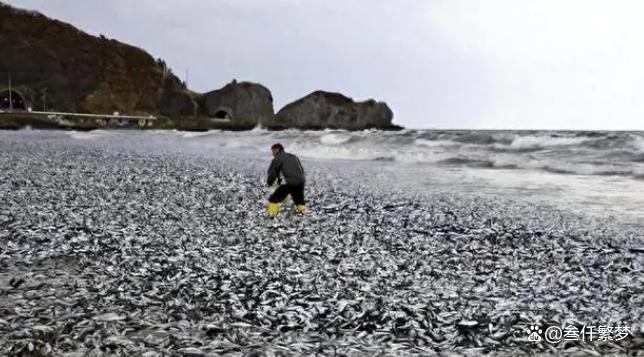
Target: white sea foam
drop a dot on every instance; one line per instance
(586, 169)
(434, 143)
(639, 172)
(508, 161)
(338, 152)
(335, 139)
(88, 135)
(541, 141)
(638, 143)
(616, 154)
(259, 129)
(195, 134)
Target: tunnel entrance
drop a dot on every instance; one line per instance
(17, 102)
(222, 114)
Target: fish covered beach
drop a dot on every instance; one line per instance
(132, 243)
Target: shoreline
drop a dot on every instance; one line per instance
(22, 120)
(116, 249)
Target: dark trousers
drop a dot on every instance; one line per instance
(296, 192)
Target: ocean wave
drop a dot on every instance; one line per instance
(195, 134)
(638, 143)
(506, 141)
(259, 129)
(571, 168)
(587, 169)
(384, 158)
(434, 143)
(639, 174)
(335, 139)
(462, 161)
(558, 167)
(544, 141)
(580, 153)
(337, 152)
(484, 138)
(88, 135)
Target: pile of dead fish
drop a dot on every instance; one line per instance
(118, 252)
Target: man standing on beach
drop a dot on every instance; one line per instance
(288, 166)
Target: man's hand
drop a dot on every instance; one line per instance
(275, 183)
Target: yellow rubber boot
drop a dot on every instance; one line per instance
(272, 208)
(300, 208)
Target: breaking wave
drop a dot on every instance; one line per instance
(638, 144)
(543, 141)
(335, 139)
(561, 152)
(89, 135)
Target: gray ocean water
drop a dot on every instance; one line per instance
(598, 173)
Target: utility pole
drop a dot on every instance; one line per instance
(44, 99)
(10, 98)
(186, 78)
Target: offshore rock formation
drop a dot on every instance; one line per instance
(244, 103)
(320, 110)
(53, 66)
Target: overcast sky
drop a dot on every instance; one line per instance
(553, 64)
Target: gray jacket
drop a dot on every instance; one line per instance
(290, 168)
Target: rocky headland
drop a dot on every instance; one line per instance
(55, 67)
(321, 110)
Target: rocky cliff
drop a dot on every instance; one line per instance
(55, 66)
(320, 110)
(243, 103)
